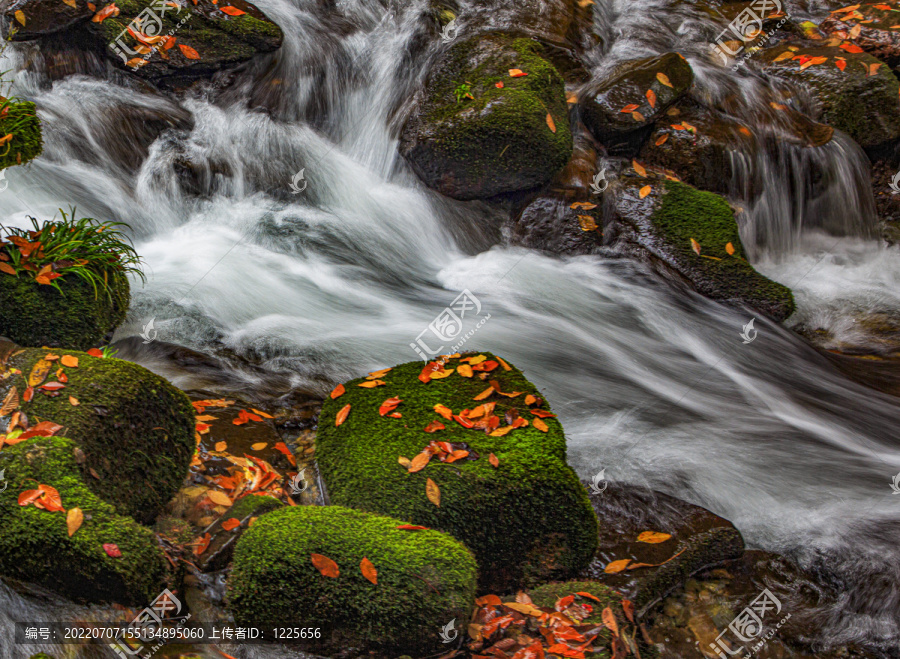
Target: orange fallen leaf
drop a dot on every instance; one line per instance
(20, 16)
(231, 524)
(465, 370)
(371, 384)
(550, 124)
(232, 11)
(388, 406)
(609, 621)
(74, 402)
(434, 426)
(326, 566)
(637, 116)
(342, 415)
(221, 447)
(259, 446)
(631, 107)
(368, 570)
(498, 85)
(729, 248)
(851, 48)
(337, 391)
(375, 375)
(785, 55)
(638, 168)
(645, 191)
(651, 98)
(412, 527)
(433, 492)
(188, 52)
(74, 519)
(484, 394)
(840, 63)
(219, 498)
(540, 425)
(662, 139)
(495, 462)
(653, 537)
(103, 14)
(419, 462)
(516, 73)
(664, 79)
(444, 411)
(695, 246)
(616, 566)
(587, 223)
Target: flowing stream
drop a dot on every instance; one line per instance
(654, 385)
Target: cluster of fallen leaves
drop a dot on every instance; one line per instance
(650, 95)
(146, 44)
(247, 475)
(805, 61)
(649, 537)
(43, 275)
(521, 630)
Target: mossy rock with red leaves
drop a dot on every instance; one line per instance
(527, 519)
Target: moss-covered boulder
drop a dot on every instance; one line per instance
(618, 110)
(135, 430)
(19, 119)
(424, 579)
(661, 226)
(35, 544)
(480, 131)
(75, 316)
(859, 100)
(528, 519)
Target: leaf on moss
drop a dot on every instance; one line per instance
(342, 415)
(74, 519)
(368, 570)
(325, 566)
(433, 492)
(337, 391)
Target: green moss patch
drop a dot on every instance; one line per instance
(526, 520)
(472, 139)
(35, 545)
(136, 430)
(425, 579)
(21, 121)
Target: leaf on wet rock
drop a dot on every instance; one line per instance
(259, 446)
(587, 223)
(664, 79)
(188, 52)
(785, 55)
(221, 447)
(232, 11)
(368, 570)
(433, 492)
(616, 566)
(661, 139)
(651, 98)
(851, 48)
(637, 116)
(20, 16)
(325, 566)
(631, 107)
(653, 537)
(645, 191)
(639, 168)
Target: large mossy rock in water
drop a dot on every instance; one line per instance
(527, 520)
(135, 429)
(424, 579)
(35, 545)
(470, 139)
(855, 100)
(76, 316)
(617, 108)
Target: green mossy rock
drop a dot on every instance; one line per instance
(602, 103)
(77, 318)
(866, 107)
(499, 142)
(136, 429)
(661, 226)
(527, 521)
(425, 580)
(27, 143)
(35, 545)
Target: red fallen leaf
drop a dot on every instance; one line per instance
(231, 524)
(430, 368)
(28, 394)
(61, 376)
(95, 352)
(841, 64)
(533, 651)
(337, 391)
(465, 423)
(544, 414)
(564, 603)
(412, 527)
(631, 107)
(232, 11)
(106, 12)
(28, 497)
(389, 405)
(52, 386)
(565, 651)
(851, 48)
(170, 42)
(488, 365)
(342, 415)
(434, 426)
(368, 570)
(628, 607)
(43, 429)
(112, 550)
(188, 52)
(244, 416)
(282, 448)
(395, 415)
(498, 85)
(493, 600)
(326, 566)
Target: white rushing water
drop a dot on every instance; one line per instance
(654, 385)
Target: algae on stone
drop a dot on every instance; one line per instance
(425, 579)
(35, 545)
(527, 520)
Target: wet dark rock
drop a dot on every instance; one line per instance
(45, 17)
(875, 37)
(603, 103)
(862, 105)
(499, 141)
(221, 547)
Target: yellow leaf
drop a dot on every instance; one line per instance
(374, 375)
(404, 462)
(524, 609)
(219, 498)
(785, 55)
(74, 402)
(540, 425)
(653, 537)
(664, 79)
(638, 168)
(616, 566)
(20, 16)
(637, 116)
(259, 446)
(587, 223)
(730, 249)
(586, 205)
(645, 191)
(854, 32)
(71, 3)
(484, 394)
(39, 372)
(550, 123)
(370, 384)
(74, 518)
(433, 492)
(695, 246)
(778, 106)
(221, 447)
(465, 370)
